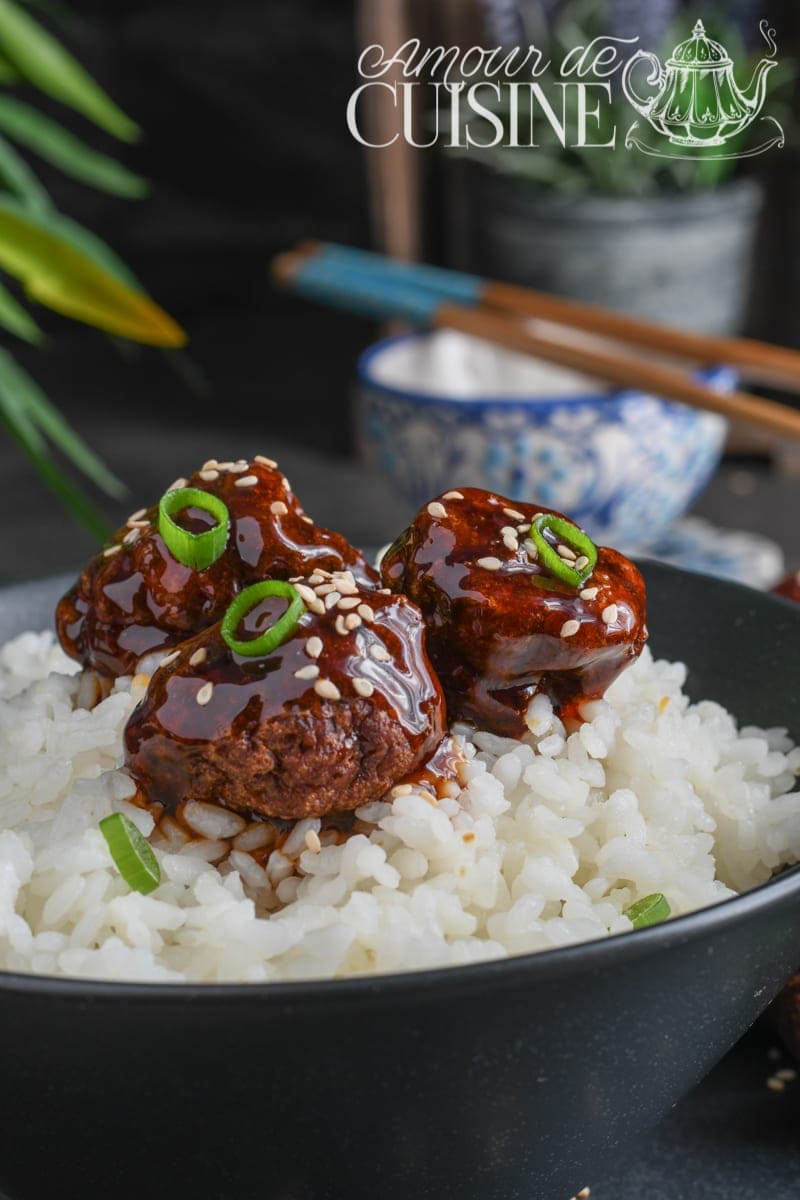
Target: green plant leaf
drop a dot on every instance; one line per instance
(88, 243)
(49, 421)
(41, 60)
(8, 74)
(15, 417)
(46, 138)
(17, 320)
(67, 280)
(20, 179)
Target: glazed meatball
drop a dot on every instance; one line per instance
(789, 588)
(345, 707)
(500, 626)
(136, 598)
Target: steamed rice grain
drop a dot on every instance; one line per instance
(546, 843)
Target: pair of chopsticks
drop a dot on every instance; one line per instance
(434, 297)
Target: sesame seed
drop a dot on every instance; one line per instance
(352, 621)
(210, 475)
(366, 613)
(309, 672)
(312, 841)
(306, 594)
(569, 629)
(436, 509)
(348, 602)
(510, 542)
(379, 653)
(508, 531)
(278, 508)
(402, 789)
(384, 591)
(581, 562)
(205, 693)
(610, 614)
(198, 657)
(332, 599)
(307, 520)
(287, 486)
(138, 524)
(531, 548)
(316, 606)
(584, 1194)
(524, 527)
(314, 647)
(131, 537)
(340, 626)
(566, 552)
(346, 584)
(265, 462)
(589, 593)
(363, 687)
(786, 1074)
(489, 564)
(179, 483)
(137, 516)
(210, 464)
(776, 1085)
(169, 658)
(239, 466)
(324, 588)
(225, 466)
(247, 481)
(316, 579)
(453, 496)
(109, 550)
(328, 690)
(515, 516)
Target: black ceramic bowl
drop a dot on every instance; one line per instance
(520, 1078)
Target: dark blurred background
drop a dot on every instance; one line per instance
(246, 146)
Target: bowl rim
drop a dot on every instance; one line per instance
(433, 983)
(364, 364)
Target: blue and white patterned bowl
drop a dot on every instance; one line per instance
(624, 465)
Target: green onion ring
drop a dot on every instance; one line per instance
(652, 910)
(571, 536)
(277, 634)
(197, 550)
(132, 853)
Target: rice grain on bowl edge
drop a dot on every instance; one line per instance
(548, 841)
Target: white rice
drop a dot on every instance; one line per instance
(547, 843)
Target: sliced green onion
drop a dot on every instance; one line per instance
(277, 634)
(132, 854)
(570, 535)
(197, 550)
(652, 910)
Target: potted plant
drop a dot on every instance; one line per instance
(671, 238)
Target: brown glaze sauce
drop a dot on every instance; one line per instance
(327, 722)
(135, 598)
(503, 629)
(789, 587)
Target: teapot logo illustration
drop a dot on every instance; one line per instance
(697, 103)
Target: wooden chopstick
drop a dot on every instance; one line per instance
(393, 296)
(760, 361)
(622, 370)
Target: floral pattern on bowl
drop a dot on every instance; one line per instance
(624, 465)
